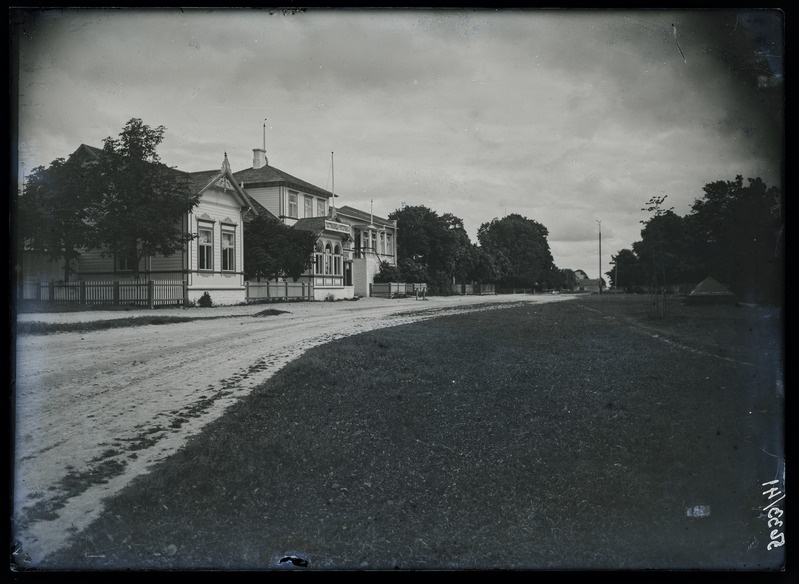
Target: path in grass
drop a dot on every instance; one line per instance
(553, 436)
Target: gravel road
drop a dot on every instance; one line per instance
(95, 410)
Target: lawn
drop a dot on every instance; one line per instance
(585, 434)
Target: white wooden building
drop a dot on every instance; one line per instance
(212, 262)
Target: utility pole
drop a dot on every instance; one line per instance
(600, 254)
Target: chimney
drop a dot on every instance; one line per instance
(259, 159)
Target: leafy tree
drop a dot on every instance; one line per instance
(628, 272)
(139, 201)
(566, 279)
(486, 267)
(739, 235)
(524, 243)
(431, 246)
(412, 270)
(667, 250)
(53, 212)
(274, 250)
(388, 273)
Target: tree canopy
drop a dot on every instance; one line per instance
(53, 212)
(523, 242)
(431, 248)
(139, 200)
(734, 233)
(274, 250)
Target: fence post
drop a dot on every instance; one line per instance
(116, 292)
(150, 294)
(82, 299)
(246, 291)
(51, 291)
(286, 282)
(185, 293)
(39, 290)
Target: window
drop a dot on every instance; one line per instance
(337, 260)
(308, 206)
(389, 245)
(318, 264)
(383, 242)
(292, 204)
(320, 208)
(205, 248)
(328, 257)
(373, 244)
(124, 264)
(228, 249)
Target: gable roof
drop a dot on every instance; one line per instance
(203, 180)
(313, 224)
(348, 211)
(85, 152)
(269, 176)
(198, 181)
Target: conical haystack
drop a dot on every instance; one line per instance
(710, 291)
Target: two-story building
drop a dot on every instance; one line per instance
(374, 241)
(302, 205)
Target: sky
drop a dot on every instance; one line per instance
(574, 119)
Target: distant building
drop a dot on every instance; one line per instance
(582, 283)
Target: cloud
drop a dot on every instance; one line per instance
(563, 116)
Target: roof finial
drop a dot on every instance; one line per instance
(226, 164)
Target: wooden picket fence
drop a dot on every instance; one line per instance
(149, 293)
(396, 289)
(474, 289)
(276, 291)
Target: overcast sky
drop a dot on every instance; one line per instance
(565, 117)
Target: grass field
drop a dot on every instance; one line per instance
(585, 434)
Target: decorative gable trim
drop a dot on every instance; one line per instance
(224, 183)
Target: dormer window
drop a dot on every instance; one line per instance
(293, 204)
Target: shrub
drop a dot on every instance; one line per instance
(205, 300)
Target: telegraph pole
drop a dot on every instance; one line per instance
(600, 254)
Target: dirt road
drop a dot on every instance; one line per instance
(94, 410)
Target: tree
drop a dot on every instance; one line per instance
(651, 246)
(139, 201)
(524, 243)
(739, 235)
(388, 273)
(487, 267)
(627, 272)
(274, 250)
(566, 279)
(431, 246)
(53, 212)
